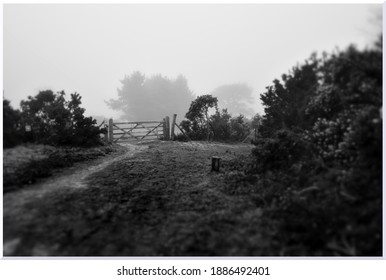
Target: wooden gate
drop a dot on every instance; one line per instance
(138, 131)
(142, 130)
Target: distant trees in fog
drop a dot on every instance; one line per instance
(235, 97)
(142, 98)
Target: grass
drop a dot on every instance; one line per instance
(44, 163)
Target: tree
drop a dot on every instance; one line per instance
(200, 123)
(84, 129)
(221, 124)
(286, 101)
(35, 113)
(54, 120)
(256, 121)
(235, 97)
(142, 98)
(239, 128)
(198, 112)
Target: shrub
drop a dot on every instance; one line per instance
(198, 115)
(220, 122)
(56, 121)
(239, 128)
(180, 137)
(327, 171)
(284, 151)
(194, 130)
(11, 126)
(222, 127)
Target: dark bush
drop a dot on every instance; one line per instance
(284, 151)
(324, 169)
(11, 126)
(56, 121)
(181, 137)
(220, 123)
(194, 130)
(219, 127)
(239, 128)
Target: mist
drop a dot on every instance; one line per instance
(90, 49)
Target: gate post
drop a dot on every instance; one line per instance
(164, 128)
(106, 127)
(173, 125)
(167, 128)
(111, 136)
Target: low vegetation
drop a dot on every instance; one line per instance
(20, 170)
(218, 126)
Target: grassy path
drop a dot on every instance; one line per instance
(161, 201)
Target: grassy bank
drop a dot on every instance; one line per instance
(24, 165)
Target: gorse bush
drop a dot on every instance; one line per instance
(285, 150)
(220, 122)
(321, 153)
(239, 128)
(49, 118)
(11, 126)
(218, 126)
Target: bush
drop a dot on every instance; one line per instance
(284, 151)
(180, 137)
(222, 127)
(324, 168)
(220, 123)
(11, 126)
(194, 130)
(56, 121)
(239, 128)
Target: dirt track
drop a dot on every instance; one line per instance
(157, 199)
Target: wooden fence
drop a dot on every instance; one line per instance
(140, 130)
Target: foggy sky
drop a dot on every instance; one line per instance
(90, 48)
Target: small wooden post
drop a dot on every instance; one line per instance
(215, 163)
(173, 125)
(111, 135)
(167, 128)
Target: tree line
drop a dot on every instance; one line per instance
(49, 118)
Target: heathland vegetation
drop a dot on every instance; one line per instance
(317, 165)
(314, 174)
